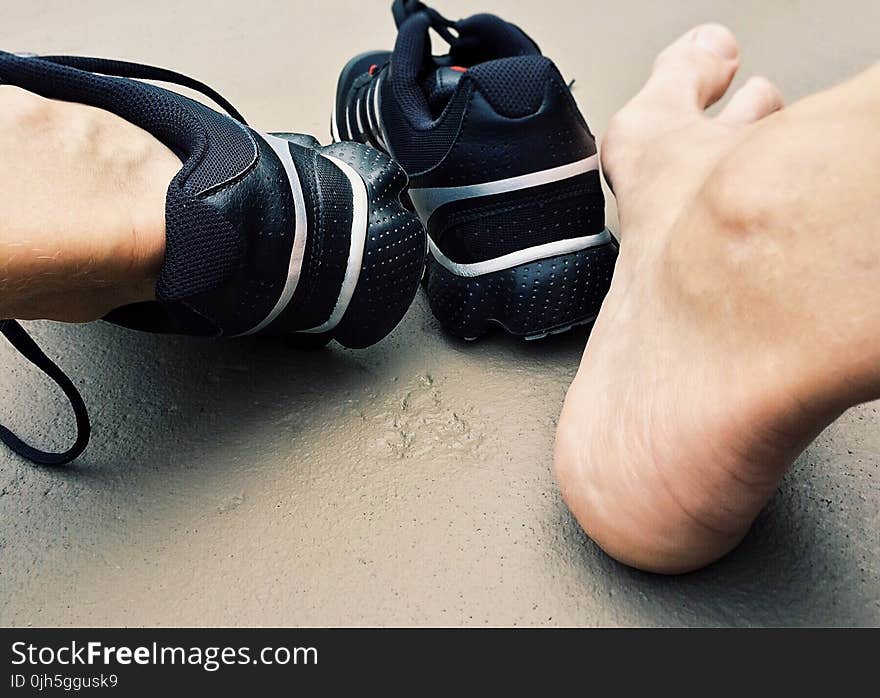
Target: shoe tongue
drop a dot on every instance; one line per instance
(440, 85)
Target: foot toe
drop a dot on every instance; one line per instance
(753, 101)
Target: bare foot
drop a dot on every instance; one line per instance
(703, 377)
(82, 216)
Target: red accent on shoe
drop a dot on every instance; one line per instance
(458, 69)
(373, 69)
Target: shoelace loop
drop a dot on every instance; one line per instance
(143, 71)
(404, 9)
(28, 348)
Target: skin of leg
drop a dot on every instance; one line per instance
(742, 318)
(82, 216)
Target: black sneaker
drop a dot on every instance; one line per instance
(503, 171)
(266, 234)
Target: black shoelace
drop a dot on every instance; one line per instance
(16, 334)
(142, 71)
(28, 348)
(403, 9)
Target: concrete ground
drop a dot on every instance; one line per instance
(242, 483)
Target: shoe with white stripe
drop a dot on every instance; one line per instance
(265, 234)
(503, 171)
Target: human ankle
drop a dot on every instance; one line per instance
(132, 264)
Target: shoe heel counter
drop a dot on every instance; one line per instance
(523, 172)
(520, 118)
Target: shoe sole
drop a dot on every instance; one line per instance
(531, 300)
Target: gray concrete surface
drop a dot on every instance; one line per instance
(245, 484)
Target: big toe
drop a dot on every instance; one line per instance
(688, 76)
(694, 72)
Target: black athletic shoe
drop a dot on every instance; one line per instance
(503, 171)
(266, 234)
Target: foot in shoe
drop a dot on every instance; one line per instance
(708, 371)
(503, 171)
(83, 213)
(264, 234)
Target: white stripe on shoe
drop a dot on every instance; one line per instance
(359, 220)
(515, 259)
(348, 134)
(380, 128)
(357, 114)
(428, 199)
(367, 101)
(334, 125)
(372, 129)
(282, 148)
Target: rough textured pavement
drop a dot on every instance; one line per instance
(245, 483)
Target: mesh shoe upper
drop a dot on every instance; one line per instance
(214, 149)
